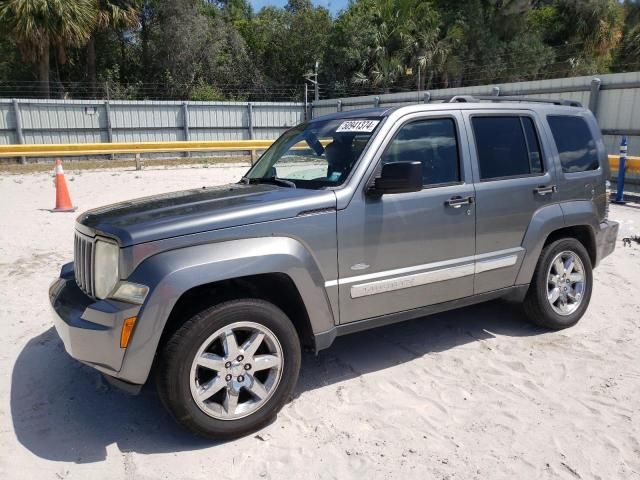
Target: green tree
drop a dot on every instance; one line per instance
(39, 26)
(285, 43)
(584, 34)
(628, 55)
(111, 14)
(351, 35)
(394, 23)
(191, 47)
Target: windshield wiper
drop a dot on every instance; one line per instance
(275, 180)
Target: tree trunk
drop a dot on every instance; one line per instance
(144, 34)
(43, 70)
(91, 64)
(124, 67)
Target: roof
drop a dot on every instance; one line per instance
(465, 103)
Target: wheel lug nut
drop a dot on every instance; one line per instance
(228, 377)
(240, 358)
(227, 365)
(247, 366)
(241, 378)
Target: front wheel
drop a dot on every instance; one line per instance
(228, 370)
(560, 290)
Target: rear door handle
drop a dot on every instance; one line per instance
(457, 202)
(545, 189)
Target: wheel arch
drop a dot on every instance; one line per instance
(583, 233)
(570, 220)
(281, 266)
(276, 288)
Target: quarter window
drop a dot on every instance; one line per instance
(432, 142)
(576, 145)
(533, 145)
(507, 147)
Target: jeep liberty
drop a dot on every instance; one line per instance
(347, 222)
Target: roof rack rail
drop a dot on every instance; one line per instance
(472, 99)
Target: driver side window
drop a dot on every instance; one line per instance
(433, 142)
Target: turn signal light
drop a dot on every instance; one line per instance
(127, 330)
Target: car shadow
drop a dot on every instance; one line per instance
(63, 410)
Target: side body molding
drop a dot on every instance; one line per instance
(170, 274)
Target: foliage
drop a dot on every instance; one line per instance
(628, 56)
(205, 93)
(35, 24)
(223, 49)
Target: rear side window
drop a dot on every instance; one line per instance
(507, 147)
(576, 145)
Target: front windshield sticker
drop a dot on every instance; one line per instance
(358, 126)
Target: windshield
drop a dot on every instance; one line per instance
(316, 154)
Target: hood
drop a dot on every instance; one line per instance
(199, 210)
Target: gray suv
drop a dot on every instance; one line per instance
(347, 222)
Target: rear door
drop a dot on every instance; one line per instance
(512, 181)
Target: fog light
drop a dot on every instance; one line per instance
(127, 330)
(130, 292)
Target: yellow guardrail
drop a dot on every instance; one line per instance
(632, 164)
(82, 149)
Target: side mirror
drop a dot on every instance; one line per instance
(399, 177)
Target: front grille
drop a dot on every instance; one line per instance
(83, 262)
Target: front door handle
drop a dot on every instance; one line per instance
(545, 189)
(457, 202)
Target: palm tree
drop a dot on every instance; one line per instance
(433, 53)
(37, 26)
(116, 14)
(394, 21)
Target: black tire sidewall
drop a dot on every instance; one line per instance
(550, 318)
(174, 383)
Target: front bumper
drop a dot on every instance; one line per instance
(89, 329)
(606, 239)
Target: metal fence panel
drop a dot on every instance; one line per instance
(7, 124)
(617, 102)
(83, 121)
(617, 105)
(219, 133)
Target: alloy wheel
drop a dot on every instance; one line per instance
(236, 370)
(566, 283)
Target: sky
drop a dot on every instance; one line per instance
(333, 5)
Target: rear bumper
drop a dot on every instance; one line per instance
(606, 239)
(89, 329)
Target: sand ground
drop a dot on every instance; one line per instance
(476, 393)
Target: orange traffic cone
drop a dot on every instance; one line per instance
(63, 200)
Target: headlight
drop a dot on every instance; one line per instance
(106, 267)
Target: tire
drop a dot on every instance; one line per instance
(538, 303)
(184, 383)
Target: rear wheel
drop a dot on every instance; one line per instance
(560, 290)
(228, 370)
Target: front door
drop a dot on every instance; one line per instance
(402, 251)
